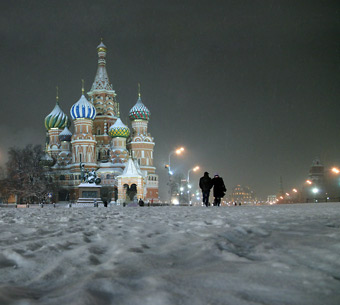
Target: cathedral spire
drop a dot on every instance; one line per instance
(101, 81)
(82, 87)
(57, 96)
(139, 95)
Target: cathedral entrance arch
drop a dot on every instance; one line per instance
(130, 191)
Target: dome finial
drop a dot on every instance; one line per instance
(139, 95)
(118, 114)
(57, 96)
(82, 87)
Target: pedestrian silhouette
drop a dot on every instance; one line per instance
(205, 185)
(219, 189)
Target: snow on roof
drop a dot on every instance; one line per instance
(131, 170)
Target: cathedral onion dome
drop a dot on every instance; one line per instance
(101, 47)
(65, 135)
(57, 119)
(139, 111)
(46, 160)
(83, 109)
(119, 129)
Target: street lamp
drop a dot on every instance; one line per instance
(177, 151)
(315, 190)
(196, 168)
(335, 170)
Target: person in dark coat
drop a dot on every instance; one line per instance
(205, 185)
(219, 189)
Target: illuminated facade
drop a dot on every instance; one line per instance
(101, 141)
(242, 194)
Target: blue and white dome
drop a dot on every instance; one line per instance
(83, 109)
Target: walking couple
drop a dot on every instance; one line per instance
(206, 183)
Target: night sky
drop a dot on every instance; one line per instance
(249, 88)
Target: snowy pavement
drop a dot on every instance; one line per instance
(287, 254)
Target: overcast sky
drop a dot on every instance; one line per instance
(250, 88)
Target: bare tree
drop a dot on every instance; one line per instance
(26, 177)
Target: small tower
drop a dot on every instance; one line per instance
(131, 178)
(83, 142)
(119, 132)
(103, 97)
(65, 156)
(54, 123)
(141, 144)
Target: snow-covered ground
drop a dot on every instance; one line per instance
(287, 254)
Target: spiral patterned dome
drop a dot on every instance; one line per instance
(119, 129)
(83, 109)
(139, 111)
(56, 119)
(65, 135)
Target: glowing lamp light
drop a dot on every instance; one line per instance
(309, 182)
(181, 189)
(335, 170)
(175, 201)
(295, 190)
(196, 168)
(189, 186)
(179, 150)
(171, 173)
(287, 194)
(315, 190)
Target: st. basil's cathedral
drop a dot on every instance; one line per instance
(101, 142)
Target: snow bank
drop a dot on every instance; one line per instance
(287, 254)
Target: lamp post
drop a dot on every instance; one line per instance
(177, 151)
(196, 168)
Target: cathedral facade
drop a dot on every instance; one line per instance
(122, 157)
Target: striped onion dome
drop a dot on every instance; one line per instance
(83, 109)
(65, 135)
(119, 129)
(56, 119)
(139, 111)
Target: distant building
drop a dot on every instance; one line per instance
(317, 173)
(316, 187)
(271, 199)
(242, 194)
